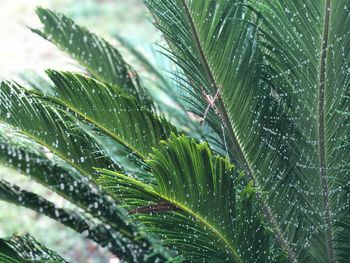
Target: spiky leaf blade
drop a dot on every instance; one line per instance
(100, 58)
(198, 204)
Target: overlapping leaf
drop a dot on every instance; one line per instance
(280, 73)
(197, 205)
(7, 259)
(309, 68)
(129, 129)
(30, 159)
(49, 127)
(271, 78)
(96, 230)
(26, 249)
(121, 236)
(157, 70)
(96, 54)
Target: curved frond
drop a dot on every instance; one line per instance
(33, 160)
(49, 127)
(27, 249)
(198, 204)
(30, 159)
(97, 231)
(268, 83)
(276, 75)
(116, 114)
(7, 259)
(309, 69)
(96, 54)
(216, 45)
(160, 71)
(154, 69)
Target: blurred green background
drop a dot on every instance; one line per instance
(22, 51)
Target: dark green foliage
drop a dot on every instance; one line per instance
(109, 67)
(200, 187)
(264, 96)
(25, 249)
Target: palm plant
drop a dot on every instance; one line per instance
(262, 89)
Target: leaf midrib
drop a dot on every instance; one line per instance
(321, 132)
(107, 131)
(184, 208)
(58, 153)
(233, 138)
(62, 193)
(206, 223)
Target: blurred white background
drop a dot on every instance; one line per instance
(21, 50)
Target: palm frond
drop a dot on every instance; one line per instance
(153, 65)
(31, 159)
(191, 207)
(7, 259)
(128, 130)
(276, 75)
(49, 127)
(96, 231)
(114, 229)
(268, 81)
(160, 71)
(308, 68)
(85, 47)
(26, 249)
(215, 43)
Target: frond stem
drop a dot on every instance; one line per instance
(234, 140)
(175, 205)
(321, 133)
(80, 170)
(73, 109)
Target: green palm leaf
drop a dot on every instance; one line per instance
(154, 68)
(31, 159)
(95, 229)
(6, 259)
(26, 249)
(169, 96)
(212, 217)
(314, 73)
(85, 46)
(128, 130)
(34, 160)
(111, 110)
(33, 118)
(280, 70)
(268, 81)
